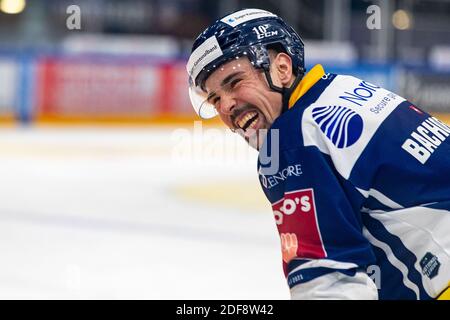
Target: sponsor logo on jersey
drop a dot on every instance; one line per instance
(341, 125)
(295, 215)
(430, 265)
(423, 141)
(362, 93)
(271, 181)
(293, 202)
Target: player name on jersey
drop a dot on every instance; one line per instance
(426, 139)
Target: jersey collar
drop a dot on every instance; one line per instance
(307, 82)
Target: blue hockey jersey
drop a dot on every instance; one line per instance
(359, 182)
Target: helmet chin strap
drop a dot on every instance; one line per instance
(285, 92)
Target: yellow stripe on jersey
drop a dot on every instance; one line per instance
(307, 82)
(445, 295)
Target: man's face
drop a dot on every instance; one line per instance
(243, 98)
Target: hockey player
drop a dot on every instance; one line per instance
(358, 177)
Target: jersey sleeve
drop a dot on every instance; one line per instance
(325, 254)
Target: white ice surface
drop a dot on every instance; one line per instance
(96, 213)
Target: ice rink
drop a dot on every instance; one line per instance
(133, 213)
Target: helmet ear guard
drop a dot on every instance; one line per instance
(263, 57)
(285, 91)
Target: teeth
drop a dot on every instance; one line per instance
(247, 117)
(253, 124)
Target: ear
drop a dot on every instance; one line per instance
(282, 67)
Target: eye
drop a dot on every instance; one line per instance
(234, 83)
(215, 101)
(212, 98)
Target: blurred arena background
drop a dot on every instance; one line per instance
(110, 190)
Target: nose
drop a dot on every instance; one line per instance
(227, 104)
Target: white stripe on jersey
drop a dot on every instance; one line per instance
(381, 198)
(327, 263)
(422, 230)
(393, 260)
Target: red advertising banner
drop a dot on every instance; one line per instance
(86, 88)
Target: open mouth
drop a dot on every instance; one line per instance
(248, 121)
(249, 124)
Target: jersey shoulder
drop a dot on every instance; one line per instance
(289, 125)
(343, 119)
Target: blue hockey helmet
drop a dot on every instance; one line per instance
(248, 32)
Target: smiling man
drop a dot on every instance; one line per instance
(358, 177)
